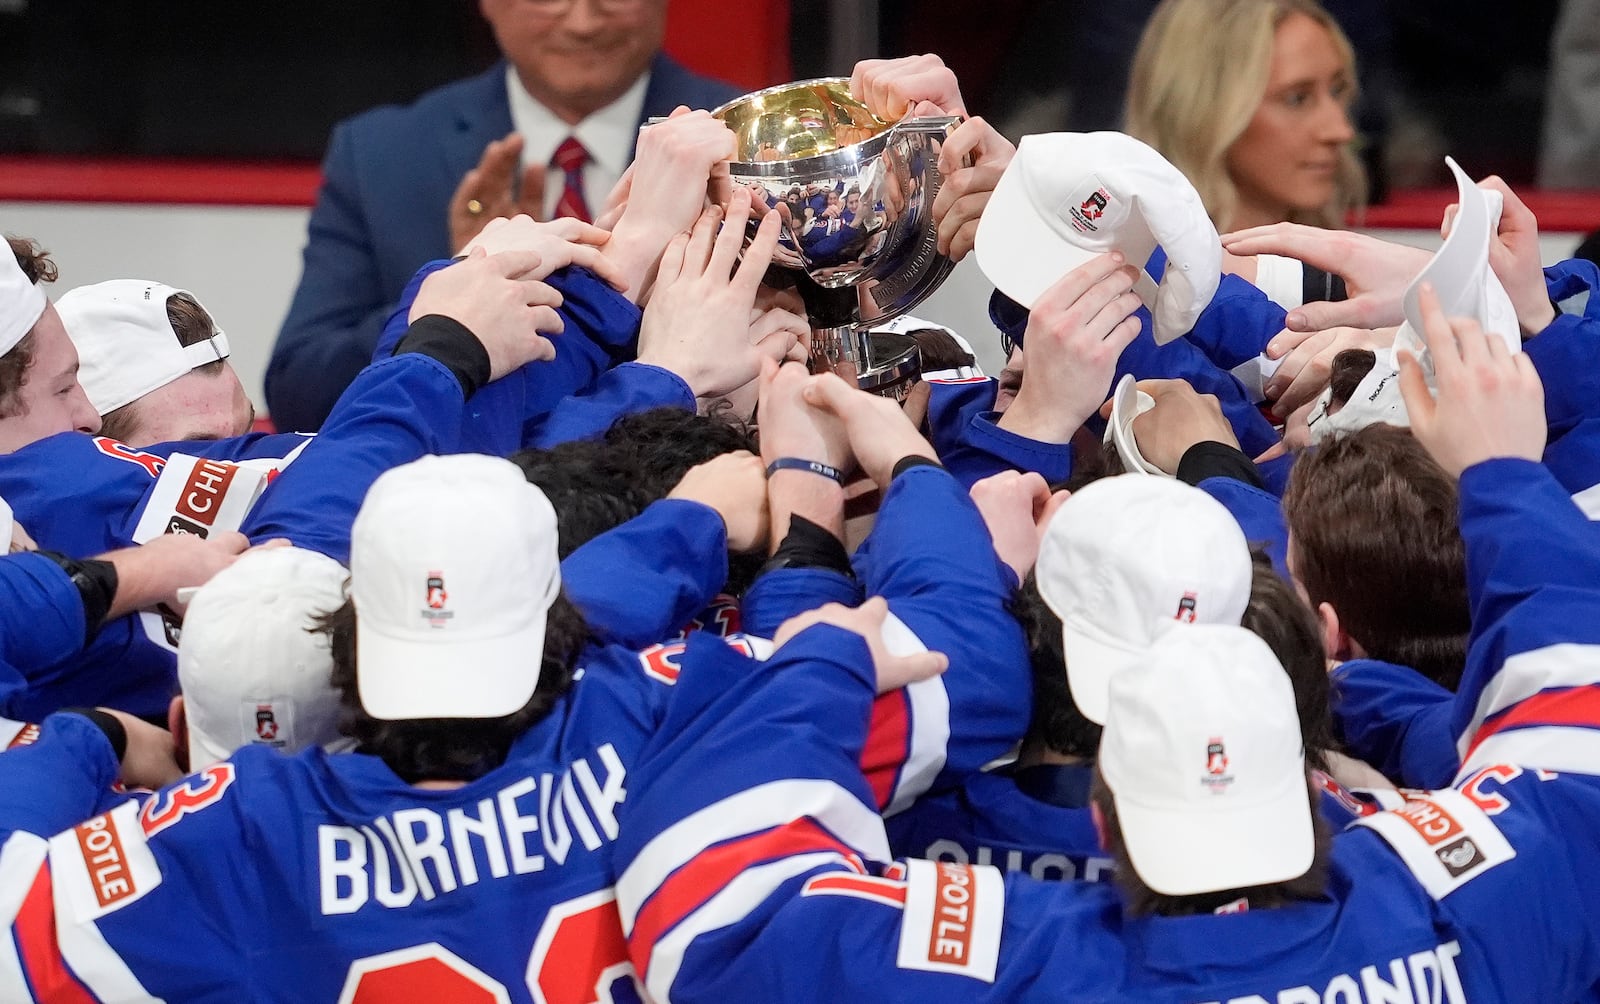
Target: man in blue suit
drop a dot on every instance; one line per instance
(406, 185)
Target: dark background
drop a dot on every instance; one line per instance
(217, 80)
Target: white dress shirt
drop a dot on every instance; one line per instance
(608, 135)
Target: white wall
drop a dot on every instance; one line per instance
(244, 262)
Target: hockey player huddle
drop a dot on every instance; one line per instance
(602, 646)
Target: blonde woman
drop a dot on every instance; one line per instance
(1250, 99)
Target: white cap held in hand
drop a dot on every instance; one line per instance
(1067, 197)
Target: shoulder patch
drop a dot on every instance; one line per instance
(102, 865)
(198, 496)
(1444, 839)
(952, 920)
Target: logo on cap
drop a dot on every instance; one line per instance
(266, 723)
(1216, 757)
(436, 614)
(1089, 210)
(1186, 611)
(1217, 777)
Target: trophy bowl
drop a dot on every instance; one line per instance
(855, 195)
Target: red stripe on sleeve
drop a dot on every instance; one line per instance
(687, 889)
(888, 745)
(47, 971)
(886, 891)
(1574, 706)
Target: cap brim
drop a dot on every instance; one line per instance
(410, 678)
(1016, 249)
(1185, 852)
(1092, 661)
(1127, 404)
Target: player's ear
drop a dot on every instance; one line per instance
(178, 725)
(1336, 642)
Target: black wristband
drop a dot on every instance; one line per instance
(814, 466)
(1317, 285)
(808, 545)
(96, 582)
(1212, 459)
(915, 460)
(450, 342)
(113, 729)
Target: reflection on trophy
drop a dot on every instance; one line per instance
(855, 195)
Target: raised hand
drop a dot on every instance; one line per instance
(966, 188)
(1375, 272)
(880, 433)
(893, 670)
(1076, 332)
(677, 162)
(558, 243)
(1306, 361)
(154, 573)
(735, 485)
(1514, 257)
(492, 190)
(1181, 418)
(698, 322)
(1490, 403)
(493, 298)
(913, 86)
(1015, 508)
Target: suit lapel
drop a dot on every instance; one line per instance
(482, 114)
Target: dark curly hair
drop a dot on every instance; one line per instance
(1056, 725)
(36, 265)
(451, 749)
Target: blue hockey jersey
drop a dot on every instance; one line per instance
(1479, 892)
(379, 891)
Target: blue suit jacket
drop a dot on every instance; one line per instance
(386, 181)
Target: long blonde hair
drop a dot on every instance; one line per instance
(1199, 75)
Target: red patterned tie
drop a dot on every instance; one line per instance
(569, 159)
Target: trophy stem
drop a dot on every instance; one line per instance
(878, 361)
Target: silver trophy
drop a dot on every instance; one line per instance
(855, 194)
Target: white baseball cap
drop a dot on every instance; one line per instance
(1067, 197)
(453, 569)
(1128, 402)
(251, 669)
(1466, 286)
(1203, 757)
(126, 345)
(1127, 558)
(22, 302)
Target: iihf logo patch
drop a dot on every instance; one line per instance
(266, 723)
(1217, 777)
(1186, 609)
(436, 597)
(1086, 214)
(1216, 757)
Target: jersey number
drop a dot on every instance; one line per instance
(577, 956)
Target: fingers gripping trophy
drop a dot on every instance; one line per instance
(855, 194)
